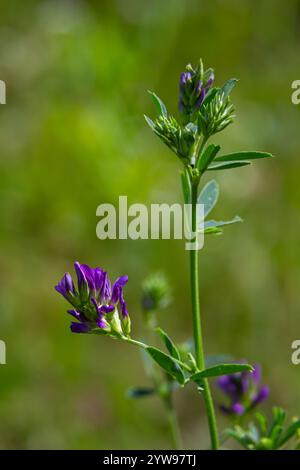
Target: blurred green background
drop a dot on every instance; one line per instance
(72, 136)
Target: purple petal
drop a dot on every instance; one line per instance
(89, 274)
(66, 286)
(262, 395)
(80, 327)
(117, 288)
(184, 77)
(107, 308)
(80, 275)
(98, 278)
(238, 409)
(256, 374)
(210, 81)
(123, 307)
(101, 323)
(106, 290)
(95, 304)
(74, 313)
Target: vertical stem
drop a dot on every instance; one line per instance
(194, 275)
(166, 397)
(173, 424)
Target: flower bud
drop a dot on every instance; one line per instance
(193, 87)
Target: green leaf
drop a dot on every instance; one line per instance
(140, 392)
(227, 165)
(220, 369)
(262, 421)
(210, 95)
(275, 434)
(221, 223)
(228, 87)
(149, 122)
(241, 156)
(186, 186)
(291, 430)
(207, 156)
(161, 108)
(167, 363)
(213, 360)
(209, 196)
(169, 344)
(212, 231)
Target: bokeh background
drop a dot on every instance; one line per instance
(72, 135)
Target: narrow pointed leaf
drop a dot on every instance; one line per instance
(220, 369)
(262, 421)
(167, 363)
(212, 231)
(161, 108)
(169, 344)
(214, 360)
(228, 87)
(149, 122)
(209, 196)
(221, 223)
(240, 156)
(227, 165)
(207, 156)
(210, 95)
(291, 430)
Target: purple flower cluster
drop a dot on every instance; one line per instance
(95, 301)
(244, 391)
(193, 87)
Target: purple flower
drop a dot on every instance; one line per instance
(193, 87)
(66, 288)
(243, 390)
(95, 301)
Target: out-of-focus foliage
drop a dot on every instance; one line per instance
(73, 136)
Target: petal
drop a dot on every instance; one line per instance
(237, 409)
(123, 307)
(80, 327)
(106, 290)
(89, 275)
(117, 288)
(107, 308)
(65, 286)
(101, 323)
(78, 315)
(262, 395)
(256, 374)
(74, 313)
(95, 304)
(98, 278)
(80, 275)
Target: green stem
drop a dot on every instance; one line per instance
(160, 385)
(144, 346)
(171, 415)
(194, 274)
(173, 424)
